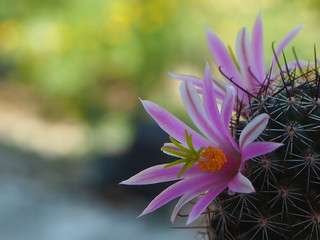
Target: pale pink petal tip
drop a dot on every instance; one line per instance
(254, 128)
(155, 174)
(258, 148)
(204, 202)
(241, 184)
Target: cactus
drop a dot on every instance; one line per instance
(286, 201)
(253, 168)
(286, 204)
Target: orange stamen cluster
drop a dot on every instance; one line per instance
(212, 159)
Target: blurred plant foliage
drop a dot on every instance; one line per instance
(90, 60)
(88, 57)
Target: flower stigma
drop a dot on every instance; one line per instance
(212, 159)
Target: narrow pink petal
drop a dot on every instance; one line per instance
(244, 55)
(196, 111)
(282, 45)
(223, 59)
(294, 65)
(213, 181)
(196, 81)
(173, 126)
(240, 184)
(171, 146)
(209, 100)
(204, 202)
(227, 107)
(257, 50)
(174, 191)
(220, 87)
(183, 201)
(258, 148)
(203, 187)
(159, 173)
(253, 129)
(226, 113)
(290, 66)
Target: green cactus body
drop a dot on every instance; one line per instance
(286, 204)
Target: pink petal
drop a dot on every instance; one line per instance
(195, 109)
(291, 66)
(174, 191)
(244, 54)
(258, 148)
(171, 146)
(253, 129)
(209, 101)
(183, 201)
(204, 202)
(227, 107)
(220, 87)
(173, 126)
(240, 184)
(257, 50)
(226, 113)
(282, 45)
(203, 187)
(159, 173)
(223, 59)
(196, 81)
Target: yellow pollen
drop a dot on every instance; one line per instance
(212, 159)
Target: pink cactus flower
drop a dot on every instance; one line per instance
(246, 70)
(209, 162)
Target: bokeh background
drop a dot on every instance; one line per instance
(71, 125)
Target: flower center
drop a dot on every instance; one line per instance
(212, 159)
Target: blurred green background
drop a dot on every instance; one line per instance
(71, 72)
(80, 66)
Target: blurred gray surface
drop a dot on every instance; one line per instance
(34, 206)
